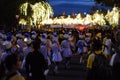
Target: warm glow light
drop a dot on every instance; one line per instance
(23, 8)
(43, 11)
(23, 22)
(113, 17)
(81, 27)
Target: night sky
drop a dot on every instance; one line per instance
(76, 6)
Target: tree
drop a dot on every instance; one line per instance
(9, 9)
(109, 2)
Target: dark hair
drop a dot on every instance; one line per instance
(117, 36)
(36, 44)
(97, 44)
(11, 60)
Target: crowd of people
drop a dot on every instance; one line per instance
(33, 53)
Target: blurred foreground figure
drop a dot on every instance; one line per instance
(36, 65)
(13, 65)
(97, 64)
(115, 60)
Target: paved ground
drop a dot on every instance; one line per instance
(76, 72)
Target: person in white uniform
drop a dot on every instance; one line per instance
(66, 50)
(43, 49)
(108, 45)
(80, 48)
(56, 55)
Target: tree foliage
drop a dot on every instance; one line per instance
(10, 8)
(109, 2)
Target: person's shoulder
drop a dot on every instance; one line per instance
(103, 53)
(17, 77)
(91, 56)
(30, 53)
(117, 57)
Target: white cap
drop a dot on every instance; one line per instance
(70, 38)
(33, 36)
(19, 35)
(33, 32)
(28, 40)
(70, 32)
(7, 44)
(66, 36)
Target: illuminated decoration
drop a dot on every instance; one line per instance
(88, 19)
(113, 17)
(98, 19)
(80, 27)
(23, 22)
(23, 9)
(41, 12)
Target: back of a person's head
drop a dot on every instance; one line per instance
(97, 44)
(118, 35)
(10, 61)
(36, 44)
(117, 39)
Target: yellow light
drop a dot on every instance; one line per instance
(42, 12)
(113, 17)
(23, 22)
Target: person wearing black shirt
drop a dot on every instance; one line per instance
(35, 63)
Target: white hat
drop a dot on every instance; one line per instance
(33, 34)
(66, 36)
(4, 36)
(7, 44)
(55, 37)
(28, 40)
(19, 35)
(70, 32)
(70, 38)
